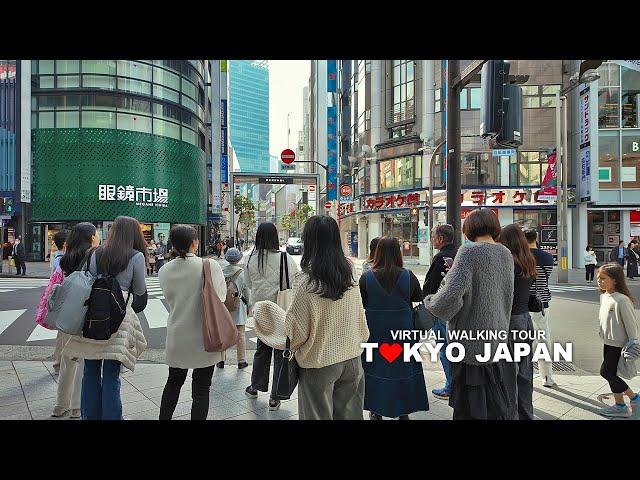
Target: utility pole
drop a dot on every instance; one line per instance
(454, 177)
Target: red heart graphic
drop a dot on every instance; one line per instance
(390, 351)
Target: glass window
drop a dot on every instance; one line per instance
(166, 129)
(137, 123)
(166, 78)
(608, 107)
(68, 102)
(609, 75)
(46, 120)
(438, 101)
(190, 104)
(531, 102)
(67, 66)
(107, 67)
(529, 89)
(68, 119)
(134, 86)
(475, 100)
(189, 136)
(529, 174)
(92, 119)
(46, 66)
(550, 89)
(402, 91)
(98, 81)
(134, 69)
(47, 81)
(548, 101)
(630, 97)
(166, 94)
(609, 159)
(189, 88)
(135, 105)
(68, 81)
(463, 99)
(630, 158)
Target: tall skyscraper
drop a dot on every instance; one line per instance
(249, 113)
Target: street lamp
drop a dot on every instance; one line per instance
(588, 73)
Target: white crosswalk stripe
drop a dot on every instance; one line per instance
(13, 284)
(7, 317)
(571, 288)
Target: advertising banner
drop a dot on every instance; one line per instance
(332, 154)
(549, 190)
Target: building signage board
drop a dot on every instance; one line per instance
(25, 132)
(584, 149)
(141, 196)
(276, 180)
(503, 152)
(332, 153)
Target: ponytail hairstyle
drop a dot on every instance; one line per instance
(181, 237)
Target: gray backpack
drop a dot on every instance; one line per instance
(68, 302)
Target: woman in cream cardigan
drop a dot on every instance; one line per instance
(326, 324)
(181, 283)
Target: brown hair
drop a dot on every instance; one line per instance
(616, 273)
(388, 260)
(513, 238)
(125, 236)
(480, 223)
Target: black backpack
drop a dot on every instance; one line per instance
(106, 306)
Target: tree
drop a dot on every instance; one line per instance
(245, 209)
(286, 222)
(302, 215)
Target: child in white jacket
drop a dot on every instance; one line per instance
(618, 325)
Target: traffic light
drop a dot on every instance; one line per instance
(511, 133)
(8, 205)
(414, 214)
(495, 74)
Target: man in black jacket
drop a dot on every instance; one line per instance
(20, 257)
(442, 237)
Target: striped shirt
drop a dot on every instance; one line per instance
(544, 267)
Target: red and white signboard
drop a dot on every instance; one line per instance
(345, 190)
(288, 156)
(327, 205)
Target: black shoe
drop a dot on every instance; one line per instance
(251, 392)
(274, 404)
(403, 417)
(242, 365)
(374, 416)
(220, 364)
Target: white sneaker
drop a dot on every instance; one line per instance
(615, 411)
(548, 382)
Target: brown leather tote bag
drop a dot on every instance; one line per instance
(218, 328)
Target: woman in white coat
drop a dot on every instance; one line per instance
(262, 274)
(181, 283)
(590, 263)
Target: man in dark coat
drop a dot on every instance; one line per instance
(618, 254)
(20, 256)
(442, 237)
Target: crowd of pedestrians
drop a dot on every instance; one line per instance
(498, 281)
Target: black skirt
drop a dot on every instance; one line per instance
(478, 391)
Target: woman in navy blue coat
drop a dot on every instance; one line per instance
(394, 388)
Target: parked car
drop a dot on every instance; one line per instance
(294, 246)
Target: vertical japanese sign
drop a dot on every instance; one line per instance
(584, 150)
(214, 168)
(224, 143)
(332, 131)
(25, 131)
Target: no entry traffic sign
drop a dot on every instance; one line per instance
(288, 156)
(327, 205)
(345, 190)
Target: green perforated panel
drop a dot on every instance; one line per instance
(70, 164)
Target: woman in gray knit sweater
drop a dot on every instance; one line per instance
(476, 300)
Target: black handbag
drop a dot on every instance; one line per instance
(423, 319)
(287, 379)
(535, 304)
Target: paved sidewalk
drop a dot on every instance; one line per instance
(34, 270)
(28, 391)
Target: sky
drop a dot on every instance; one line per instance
(287, 78)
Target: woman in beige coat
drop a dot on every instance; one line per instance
(181, 283)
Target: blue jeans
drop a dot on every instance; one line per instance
(440, 329)
(101, 390)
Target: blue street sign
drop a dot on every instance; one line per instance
(503, 152)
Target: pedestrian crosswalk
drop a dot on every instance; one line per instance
(153, 288)
(9, 284)
(571, 288)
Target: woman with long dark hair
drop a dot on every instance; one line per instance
(262, 276)
(391, 389)
(520, 374)
(618, 330)
(368, 264)
(82, 238)
(632, 260)
(476, 295)
(123, 256)
(326, 325)
(181, 283)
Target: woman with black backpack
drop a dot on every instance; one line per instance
(82, 238)
(123, 259)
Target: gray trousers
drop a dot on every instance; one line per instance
(334, 392)
(518, 376)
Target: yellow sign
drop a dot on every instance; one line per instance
(564, 263)
(223, 65)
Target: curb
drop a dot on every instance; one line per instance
(11, 275)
